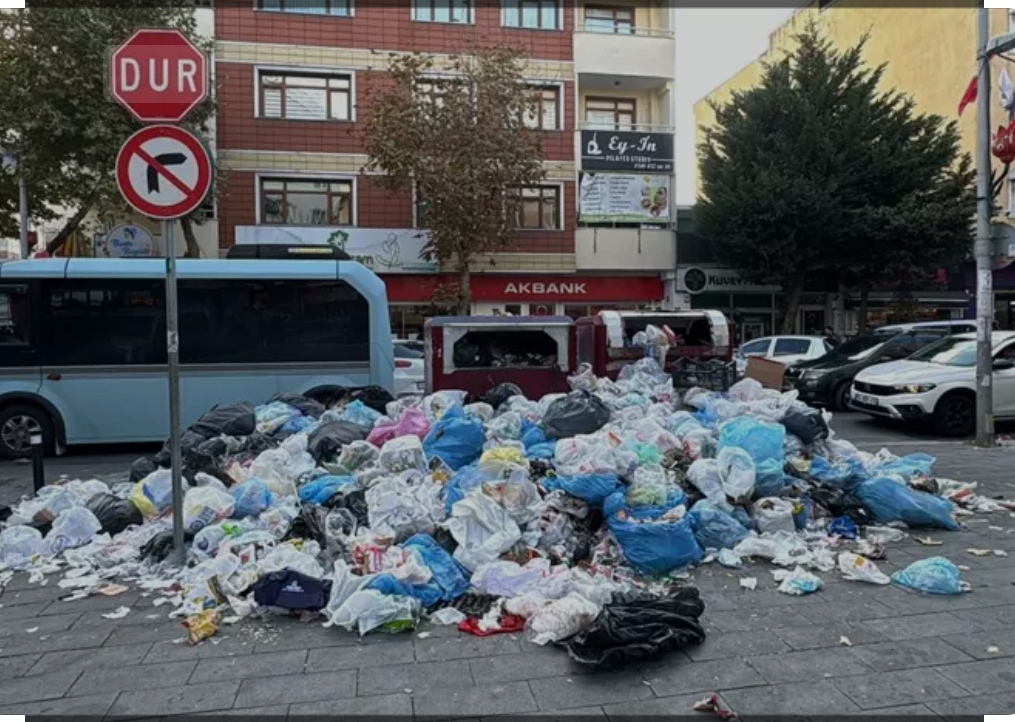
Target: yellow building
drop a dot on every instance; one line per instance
(930, 52)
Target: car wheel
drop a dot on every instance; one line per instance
(955, 415)
(17, 425)
(840, 397)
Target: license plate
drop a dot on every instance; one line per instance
(865, 399)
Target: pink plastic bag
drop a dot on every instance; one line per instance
(412, 423)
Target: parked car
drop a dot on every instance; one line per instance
(955, 326)
(410, 370)
(786, 350)
(938, 384)
(411, 343)
(826, 381)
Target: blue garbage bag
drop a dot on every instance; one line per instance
(935, 575)
(907, 466)
(541, 451)
(842, 526)
(251, 498)
(428, 594)
(323, 488)
(532, 435)
(651, 546)
(590, 488)
(843, 475)
(889, 500)
(447, 574)
(360, 414)
(762, 441)
(460, 484)
(456, 439)
(715, 528)
(299, 425)
(769, 479)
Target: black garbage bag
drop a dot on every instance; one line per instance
(232, 420)
(288, 589)
(574, 414)
(306, 406)
(5, 512)
(255, 444)
(115, 514)
(204, 456)
(500, 393)
(141, 468)
(310, 525)
(376, 397)
(163, 459)
(158, 547)
(471, 356)
(445, 539)
(806, 426)
(354, 501)
(328, 439)
(632, 630)
(840, 503)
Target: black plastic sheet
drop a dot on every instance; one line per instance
(500, 393)
(636, 629)
(306, 406)
(806, 426)
(232, 420)
(328, 439)
(575, 414)
(115, 514)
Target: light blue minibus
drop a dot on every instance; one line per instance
(83, 342)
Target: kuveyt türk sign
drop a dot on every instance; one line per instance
(627, 151)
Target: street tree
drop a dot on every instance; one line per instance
(816, 172)
(456, 134)
(56, 116)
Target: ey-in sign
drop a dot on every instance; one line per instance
(159, 75)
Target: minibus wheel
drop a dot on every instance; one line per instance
(18, 422)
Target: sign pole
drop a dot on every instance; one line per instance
(173, 357)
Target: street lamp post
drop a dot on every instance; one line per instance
(13, 161)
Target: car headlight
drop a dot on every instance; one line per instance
(914, 388)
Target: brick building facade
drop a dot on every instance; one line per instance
(294, 77)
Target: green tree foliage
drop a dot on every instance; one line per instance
(458, 137)
(814, 173)
(55, 111)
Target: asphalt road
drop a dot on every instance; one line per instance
(92, 461)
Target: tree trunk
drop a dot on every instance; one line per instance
(864, 298)
(464, 296)
(193, 250)
(69, 227)
(792, 307)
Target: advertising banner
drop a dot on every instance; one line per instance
(624, 198)
(384, 250)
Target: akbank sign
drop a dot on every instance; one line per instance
(717, 280)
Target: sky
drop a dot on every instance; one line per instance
(712, 44)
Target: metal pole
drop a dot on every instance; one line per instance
(38, 468)
(984, 272)
(173, 357)
(23, 211)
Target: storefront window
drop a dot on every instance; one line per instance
(576, 312)
(407, 321)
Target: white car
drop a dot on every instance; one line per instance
(938, 384)
(953, 326)
(787, 350)
(410, 369)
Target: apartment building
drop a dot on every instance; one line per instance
(293, 80)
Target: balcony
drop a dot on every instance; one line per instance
(625, 249)
(640, 58)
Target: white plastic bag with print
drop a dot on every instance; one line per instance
(483, 529)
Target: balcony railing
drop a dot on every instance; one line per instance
(632, 128)
(623, 30)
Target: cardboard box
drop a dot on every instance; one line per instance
(766, 372)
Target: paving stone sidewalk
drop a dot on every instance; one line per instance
(766, 653)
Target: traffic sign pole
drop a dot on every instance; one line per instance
(173, 357)
(164, 172)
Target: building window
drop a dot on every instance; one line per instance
(435, 89)
(339, 8)
(538, 208)
(305, 97)
(614, 20)
(543, 111)
(442, 11)
(206, 211)
(306, 202)
(531, 14)
(610, 113)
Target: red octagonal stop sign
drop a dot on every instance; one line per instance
(158, 75)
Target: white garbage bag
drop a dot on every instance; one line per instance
(368, 609)
(483, 529)
(18, 544)
(737, 471)
(205, 505)
(561, 619)
(773, 514)
(509, 579)
(74, 527)
(860, 569)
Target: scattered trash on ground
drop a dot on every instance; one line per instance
(575, 518)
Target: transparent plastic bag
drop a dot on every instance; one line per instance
(18, 544)
(401, 509)
(403, 454)
(205, 505)
(73, 528)
(360, 414)
(435, 405)
(773, 514)
(860, 569)
(506, 427)
(561, 619)
(747, 390)
(358, 455)
(649, 487)
(251, 498)
(736, 469)
(714, 527)
(799, 582)
(153, 495)
(344, 584)
(480, 410)
(286, 556)
(368, 609)
(584, 380)
(272, 417)
(706, 476)
(935, 575)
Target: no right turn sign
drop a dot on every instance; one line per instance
(163, 171)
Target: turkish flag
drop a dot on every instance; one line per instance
(969, 96)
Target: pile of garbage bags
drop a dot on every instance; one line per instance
(574, 517)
